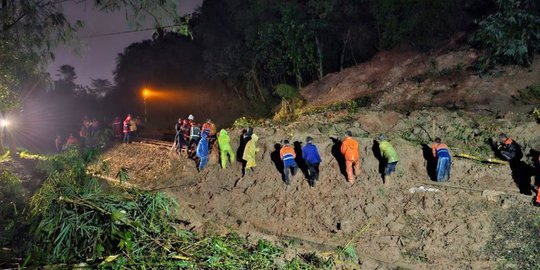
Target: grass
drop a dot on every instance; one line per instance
(530, 94)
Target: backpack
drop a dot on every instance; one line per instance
(195, 132)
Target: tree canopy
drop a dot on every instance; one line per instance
(31, 29)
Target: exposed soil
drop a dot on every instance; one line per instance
(389, 225)
(406, 80)
(410, 222)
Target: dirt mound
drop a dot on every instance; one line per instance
(408, 80)
(410, 222)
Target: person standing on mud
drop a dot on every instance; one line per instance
(349, 149)
(244, 139)
(310, 154)
(250, 154)
(389, 155)
(225, 149)
(202, 151)
(444, 161)
(288, 155)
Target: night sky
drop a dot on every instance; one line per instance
(97, 57)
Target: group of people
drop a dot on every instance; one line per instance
(199, 139)
(126, 130)
(310, 156)
(88, 129)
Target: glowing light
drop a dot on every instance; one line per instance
(146, 92)
(4, 123)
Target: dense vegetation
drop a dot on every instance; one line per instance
(74, 219)
(241, 50)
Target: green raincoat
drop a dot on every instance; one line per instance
(224, 142)
(251, 151)
(388, 152)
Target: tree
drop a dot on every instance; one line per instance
(286, 48)
(31, 29)
(99, 88)
(511, 35)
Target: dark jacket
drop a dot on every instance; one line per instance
(311, 154)
(510, 150)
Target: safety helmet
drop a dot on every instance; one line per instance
(191, 117)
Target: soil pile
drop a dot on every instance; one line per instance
(409, 80)
(409, 222)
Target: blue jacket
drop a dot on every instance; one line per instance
(311, 154)
(202, 147)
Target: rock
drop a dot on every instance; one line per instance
(344, 226)
(505, 204)
(492, 195)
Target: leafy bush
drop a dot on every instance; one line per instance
(11, 204)
(516, 242)
(421, 22)
(244, 122)
(75, 221)
(286, 91)
(531, 94)
(511, 35)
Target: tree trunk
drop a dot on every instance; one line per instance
(319, 53)
(255, 79)
(352, 54)
(342, 58)
(298, 80)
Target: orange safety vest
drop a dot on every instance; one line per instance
(287, 152)
(437, 146)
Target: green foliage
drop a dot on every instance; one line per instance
(530, 94)
(32, 29)
(286, 91)
(421, 22)
(11, 206)
(287, 47)
(511, 35)
(74, 220)
(122, 175)
(245, 122)
(536, 114)
(515, 242)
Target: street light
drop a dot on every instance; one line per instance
(4, 123)
(146, 94)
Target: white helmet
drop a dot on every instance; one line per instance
(190, 117)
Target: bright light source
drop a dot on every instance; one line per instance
(146, 92)
(4, 123)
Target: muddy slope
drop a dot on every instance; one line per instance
(392, 224)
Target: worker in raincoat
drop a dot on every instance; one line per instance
(250, 153)
(349, 149)
(202, 151)
(225, 150)
(389, 155)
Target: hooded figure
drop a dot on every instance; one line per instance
(224, 142)
(202, 151)
(250, 152)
